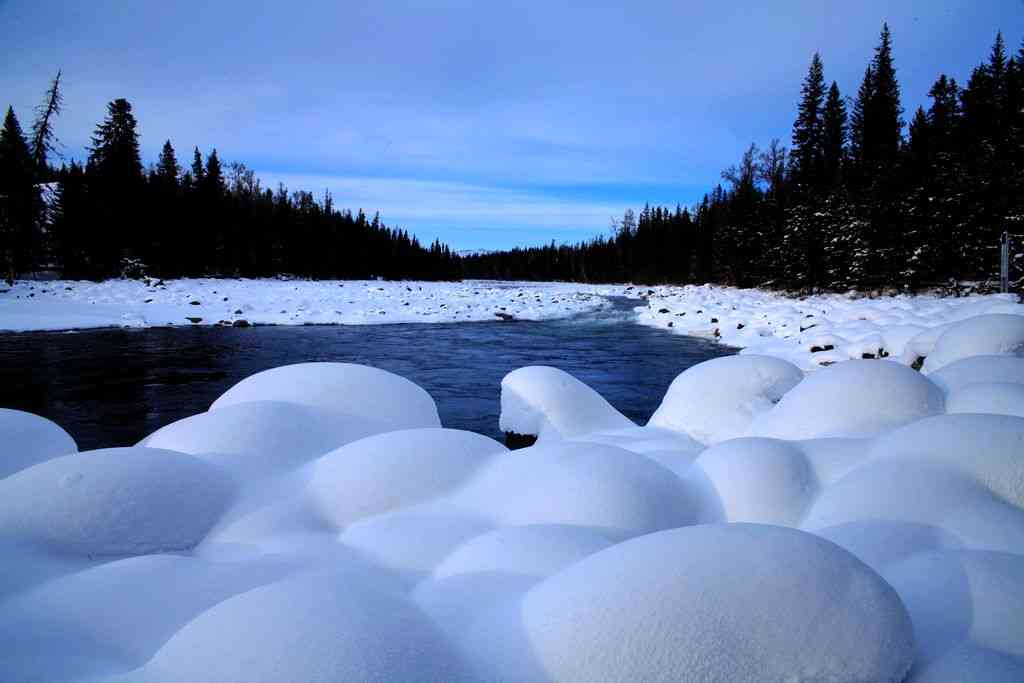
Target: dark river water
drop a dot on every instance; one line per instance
(113, 387)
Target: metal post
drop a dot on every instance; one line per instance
(1004, 263)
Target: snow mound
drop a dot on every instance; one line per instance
(537, 551)
(415, 540)
(29, 439)
(318, 628)
(263, 436)
(609, 489)
(347, 388)
(987, 448)
(975, 369)
(547, 402)
(996, 398)
(916, 491)
(394, 470)
(717, 399)
(117, 501)
(757, 480)
(736, 602)
(857, 398)
(155, 595)
(966, 608)
(996, 334)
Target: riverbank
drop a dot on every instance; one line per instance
(815, 331)
(72, 305)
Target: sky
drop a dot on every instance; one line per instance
(486, 124)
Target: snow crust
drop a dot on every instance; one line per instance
(864, 522)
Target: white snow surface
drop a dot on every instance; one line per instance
(819, 330)
(864, 522)
(68, 305)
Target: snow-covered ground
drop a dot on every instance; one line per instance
(65, 305)
(816, 330)
(864, 522)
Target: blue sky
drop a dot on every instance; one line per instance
(485, 124)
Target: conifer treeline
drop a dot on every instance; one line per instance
(111, 217)
(852, 203)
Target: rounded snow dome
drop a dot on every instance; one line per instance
(758, 480)
(732, 602)
(717, 399)
(979, 369)
(609, 489)
(29, 439)
(995, 398)
(987, 448)
(394, 470)
(532, 550)
(316, 628)
(269, 435)
(856, 398)
(342, 387)
(117, 501)
(996, 334)
(544, 401)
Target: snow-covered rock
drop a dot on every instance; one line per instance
(975, 369)
(719, 398)
(730, 602)
(756, 480)
(29, 439)
(532, 550)
(997, 335)
(263, 436)
(608, 489)
(550, 403)
(359, 390)
(117, 501)
(319, 627)
(852, 399)
(154, 595)
(395, 470)
(997, 398)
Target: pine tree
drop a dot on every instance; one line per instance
(883, 134)
(116, 183)
(167, 168)
(198, 171)
(115, 147)
(806, 155)
(19, 200)
(833, 136)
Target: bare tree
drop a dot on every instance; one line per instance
(43, 139)
(772, 166)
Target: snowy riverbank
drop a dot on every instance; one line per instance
(65, 305)
(816, 330)
(861, 523)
